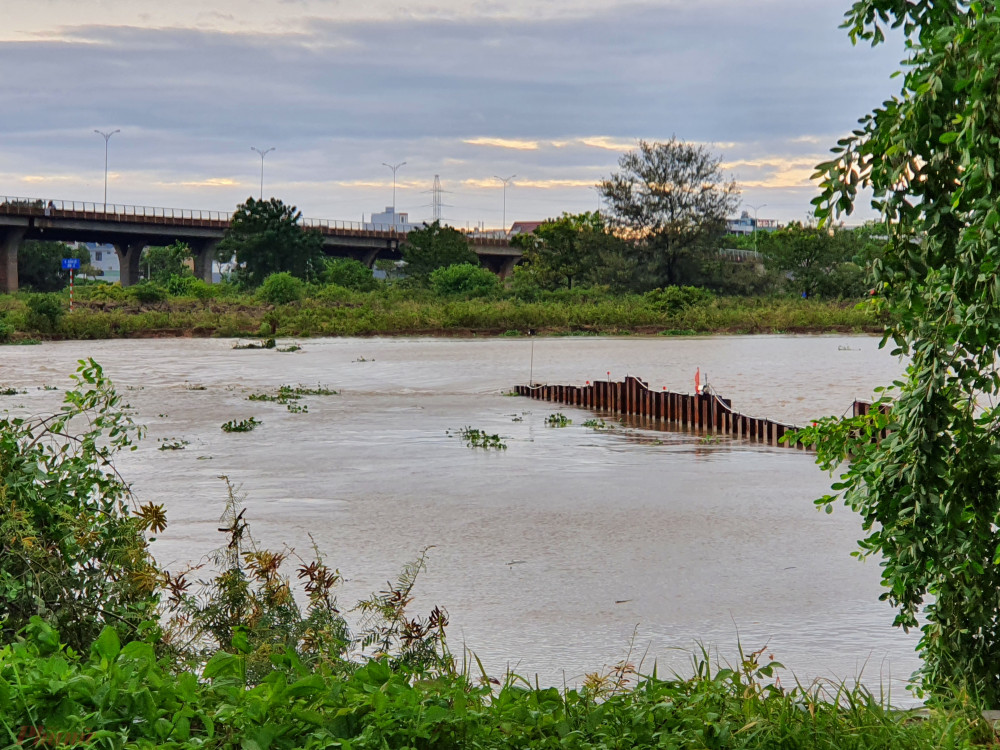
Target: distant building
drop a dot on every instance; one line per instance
(746, 224)
(401, 220)
(523, 227)
(104, 259)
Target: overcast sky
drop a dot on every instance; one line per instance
(550, 90)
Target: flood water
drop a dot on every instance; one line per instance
(550, 555)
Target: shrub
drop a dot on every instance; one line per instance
(102, 292)
(44, 312)
(146, 292)
(6, 330)
(74, 552)
(189, 286)
(677, 298)
(350, 274)
(464, 279)
(281, 288)
(524, 285)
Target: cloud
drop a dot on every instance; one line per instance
(513, 143)
(209, 182)
(464, 91)
(535, 184)
(608, 143)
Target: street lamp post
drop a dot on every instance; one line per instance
(393, 167)
(263, 153)
(504, 180)
(107, 137)
(755, 208)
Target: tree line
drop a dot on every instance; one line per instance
(665, 225)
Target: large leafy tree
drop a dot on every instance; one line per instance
(267, 237)
(572, 249)
(160, 263)
(929, 493)
(39, 264)
(433, 247)
(816, 261)
(671, 201)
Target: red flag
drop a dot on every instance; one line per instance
(697, 380)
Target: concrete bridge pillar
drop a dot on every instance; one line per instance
(10, 243)
(128, 260)
(506, 267)
(203, 254)
(370, 257)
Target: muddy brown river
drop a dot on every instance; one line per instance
(549, 555)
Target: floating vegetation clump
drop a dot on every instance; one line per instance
(598, 424)
(10, 391)
(172, 444)
(262, 344)
(480, 439)
(558, 420)
(244, 425)
(289, 348)
(319, 390)
(287, 395)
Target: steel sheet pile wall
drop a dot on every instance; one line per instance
(704, 412)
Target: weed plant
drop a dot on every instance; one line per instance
(558, 420)
(475, 438)
(243, 425)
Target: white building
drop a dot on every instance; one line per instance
(388, 218)
(746, 224)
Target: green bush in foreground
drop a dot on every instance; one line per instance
(118, 695)
(464, 279)
(281, 288)
(71, 534)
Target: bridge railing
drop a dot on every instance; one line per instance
(40, 207)
(21, 206)
(354, 226)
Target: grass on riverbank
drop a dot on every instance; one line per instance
(126, 697)
(335, 311)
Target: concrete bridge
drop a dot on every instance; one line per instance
(131, 228)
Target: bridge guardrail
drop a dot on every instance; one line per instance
(22, 206)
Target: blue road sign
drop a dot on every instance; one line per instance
(73, 263)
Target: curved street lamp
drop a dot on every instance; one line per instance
(762, 205)
(504, 180)
(263, 153)
(107, 137)
(394, 167)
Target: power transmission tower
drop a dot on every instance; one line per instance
(437, 200)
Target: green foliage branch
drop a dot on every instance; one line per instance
(73, 549)
(929, 493)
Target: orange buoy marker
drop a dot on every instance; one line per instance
(697, 381)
